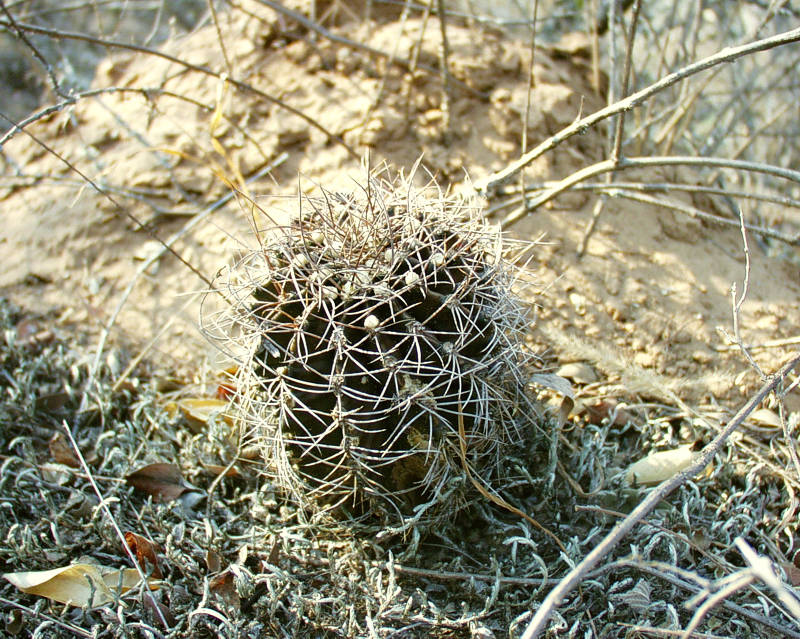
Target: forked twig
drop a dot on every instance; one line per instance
(622, 528)
(762, 568)
(626, 163)
(198, 68)
(689, 583)
(729, 54)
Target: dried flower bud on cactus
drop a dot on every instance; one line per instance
(381, 353)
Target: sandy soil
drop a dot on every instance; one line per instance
(642, 308)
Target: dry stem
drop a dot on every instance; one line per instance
(576, 575)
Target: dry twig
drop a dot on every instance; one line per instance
(621, 529)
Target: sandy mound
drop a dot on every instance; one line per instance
(642, 306)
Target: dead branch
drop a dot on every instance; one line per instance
(729, 54)
(618, 533)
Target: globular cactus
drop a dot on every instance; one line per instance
(382, 366)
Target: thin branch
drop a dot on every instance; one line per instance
(728, 54)
(531, 81)
(666, 187)
(20, 33)
(239, 84)
(446, 575)
(104, 506)
(444, 55)
(764, 570)
(220, 39)
(37, 614)
(626, 72)
(122, 210)
(772, 343)
(628, 163)
(693, 212)
(621, 529)
(668, 576)
(146, 92)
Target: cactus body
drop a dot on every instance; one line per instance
(382, 352)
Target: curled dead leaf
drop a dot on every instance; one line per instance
(163, 481)
(561, 386)
(84, 585)
(198, 411)
(224, 586)
(145, 552)
(662, 465)
(62, 451)
(578, 372)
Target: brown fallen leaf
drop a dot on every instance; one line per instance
(605, 409)
(160, 612)
(792, 573)
(224, 586)
(84, 585)
(145, 553)
(219, 469)
(213, 561)
(163, 481)
(62, 451)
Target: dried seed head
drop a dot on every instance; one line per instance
(383, 357)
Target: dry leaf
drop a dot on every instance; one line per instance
(657, 467)
(218, 469)
(62, 451)
(84, 585)
(578, 372)
(224, 586)
(199, 411)
(275, 552)
(14, 622)
(162, 481)
(560, 385)
(213, 561)
(145, 552)
(792, 573)
(766, 417)
(554, 382)
(52, 402)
